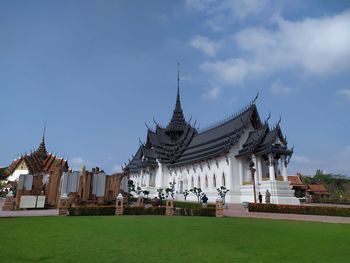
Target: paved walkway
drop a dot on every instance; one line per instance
(233, 210)
(236, 210)
(22, 213)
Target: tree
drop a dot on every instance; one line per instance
(146, 193)
(131, 188)
(2, 189)
(198, 192)
(138, 190)
(185, 193)
(171, 190)
(222, 191)
(160, 195)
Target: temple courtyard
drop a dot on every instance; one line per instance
(171, 239)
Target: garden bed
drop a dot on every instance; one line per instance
(91, 211)
(299, 209)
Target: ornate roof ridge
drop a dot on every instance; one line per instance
(229, 118)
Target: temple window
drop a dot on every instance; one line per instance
(206, 181)
(223, 179)
(214, 181)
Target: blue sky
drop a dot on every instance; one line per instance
(96, 71)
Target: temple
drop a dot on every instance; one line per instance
(40, 174)
(240, 153)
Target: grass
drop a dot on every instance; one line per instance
(170, 239)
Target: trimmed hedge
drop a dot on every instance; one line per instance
(144, 211)
(189, 205)
(316, 199)
(209, 211)
(187, 209)
(300, 209)
(92, 211)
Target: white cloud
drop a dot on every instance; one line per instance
(318, 46)
(198, 5)
(230, 71)
(278, 88)
(205, 45)
(76, 163)
(244, 8)
(217, 23)
(212, 94)
(345, 93)
(233, 8)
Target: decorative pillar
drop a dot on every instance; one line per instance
(284, 168)
(9, 202)
(18, 197)
(63, 205)
(119, 205)
(169, 209)
(139, 202)
(219, 208)
(240, 167)
(271, 168)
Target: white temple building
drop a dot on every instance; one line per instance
(222, 155)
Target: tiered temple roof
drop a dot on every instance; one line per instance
(180, 143)
(266, 140)
(39, 161)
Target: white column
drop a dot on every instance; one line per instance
(259, 170)
(240, 167)
(271, 168)
(284, 168)
(148, 177)
(159, 175)
(140, 178)
(249, 177)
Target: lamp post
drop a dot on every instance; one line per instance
(252, 170)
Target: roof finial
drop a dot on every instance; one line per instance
(178, 82)
(178, 75)
(41, 151)
(44, 131)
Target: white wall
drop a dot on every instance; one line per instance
(16, 174)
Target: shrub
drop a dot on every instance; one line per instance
(92, 211)
(190, 205)
(209, 211)
(300, 209)
(144, 211)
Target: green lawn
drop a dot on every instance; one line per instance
(170, 239)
